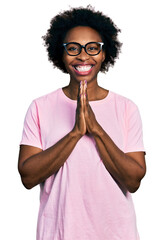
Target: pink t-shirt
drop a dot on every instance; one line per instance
(82, 201)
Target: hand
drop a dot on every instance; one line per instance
(80, 123)
(90, 119)
(85, 118)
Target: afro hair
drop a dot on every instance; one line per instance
(63, 22)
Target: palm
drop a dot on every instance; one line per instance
(85, 118)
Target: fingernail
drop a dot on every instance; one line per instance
(86, 82)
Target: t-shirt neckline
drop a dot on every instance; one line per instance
(92, 102)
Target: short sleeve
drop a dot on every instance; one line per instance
(134, 133)
(31, 130)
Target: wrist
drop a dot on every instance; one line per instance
(75, 133)
(97, 130)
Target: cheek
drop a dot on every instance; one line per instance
(100, 58)
(65, 61)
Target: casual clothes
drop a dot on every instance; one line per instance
(82, 201)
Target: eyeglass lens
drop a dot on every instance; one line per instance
(91, 48)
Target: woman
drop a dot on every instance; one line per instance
(83, 143)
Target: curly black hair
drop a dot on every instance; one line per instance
(63, 22)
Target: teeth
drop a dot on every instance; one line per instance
(83, 68)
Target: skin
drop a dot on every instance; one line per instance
(35, 165)
(84, 35)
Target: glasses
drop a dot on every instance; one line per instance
(91, 48)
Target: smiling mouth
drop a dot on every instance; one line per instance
(83, 68)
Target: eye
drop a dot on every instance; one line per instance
(92, 48)
(72, 48)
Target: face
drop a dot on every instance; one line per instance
(83, 66)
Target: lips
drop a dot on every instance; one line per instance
(83, 69)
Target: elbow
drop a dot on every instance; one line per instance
(27, 183)
(134, 183)
(27, 180)
(133, 187)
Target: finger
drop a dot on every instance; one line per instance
(81, 87)
(85, 97)
(85, 82)
(84, 87)
(81, 93)
(86, 93)
(78, 95)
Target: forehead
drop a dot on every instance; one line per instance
(82, 34)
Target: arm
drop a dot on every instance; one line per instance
(35, 165)
(126, 168)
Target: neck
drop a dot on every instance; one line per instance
(92, 90)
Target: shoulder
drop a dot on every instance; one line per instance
(44, 102)
(47, 98)
(123, 102)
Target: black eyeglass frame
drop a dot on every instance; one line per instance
(83, 46)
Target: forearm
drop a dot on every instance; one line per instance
(122, 167)
(39, 167)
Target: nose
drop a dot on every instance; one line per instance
(83, 55)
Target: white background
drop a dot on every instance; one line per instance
(27, 74)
